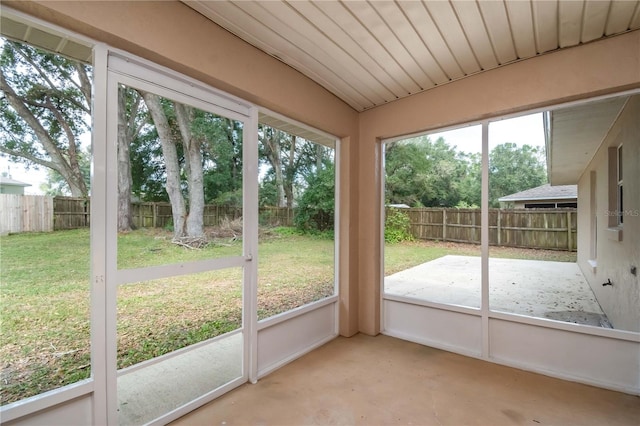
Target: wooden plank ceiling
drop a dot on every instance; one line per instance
(372, 52)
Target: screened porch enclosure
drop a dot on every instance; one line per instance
(337, 94)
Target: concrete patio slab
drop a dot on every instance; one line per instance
(553, 290)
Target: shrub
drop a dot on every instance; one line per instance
(397, 226)
(316, 206)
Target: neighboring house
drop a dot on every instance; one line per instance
(602, 158)
(542, 197)
(11, 186)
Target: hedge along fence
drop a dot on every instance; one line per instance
(71, 213)
(552, 229)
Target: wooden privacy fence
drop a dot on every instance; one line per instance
(25, 213)
(553, 229)
(70, 213)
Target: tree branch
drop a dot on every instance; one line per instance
(29, 157)
(28, 58)
(85, 83)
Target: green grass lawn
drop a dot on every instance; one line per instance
(45, 296)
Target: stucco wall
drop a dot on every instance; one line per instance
(614, 259)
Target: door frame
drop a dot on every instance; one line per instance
(122, 68)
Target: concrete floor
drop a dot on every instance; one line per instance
(151, 391)
(553, 290)
(380, 380)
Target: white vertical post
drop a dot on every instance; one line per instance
(250, 243)
(484, 239)
(337, 264)
(98, 313)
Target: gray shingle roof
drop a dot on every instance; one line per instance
(544, 192)
(12, 182)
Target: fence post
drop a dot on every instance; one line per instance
(154, 212)
(569, 236)
(444, 224)
(499, 221)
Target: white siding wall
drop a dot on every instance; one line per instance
(621, 302)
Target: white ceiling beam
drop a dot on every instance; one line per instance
(397, 22)
(545, 18)
(570, 25)
(521, 19)
(359, 33)
(333, 32)
(595, 20)
(477, 34)
(426, 28)
(620, 16)
(445, 18)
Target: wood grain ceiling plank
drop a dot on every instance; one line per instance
(447, 22)
(620, 16)
(369, 44)
(545, 18)
(397, 22)
(333, 32)
(521, 18)
(379, 29)
(302, 32)
(594, 20)
(256, 33)
(420, 19)
(475, 29)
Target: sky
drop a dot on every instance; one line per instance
(522, 130)
(527, 129)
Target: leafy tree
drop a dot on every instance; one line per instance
(44, 109)
(317, 205)
(290, 159)
(424, 173)
(223, 159)
(513, 169)
(470, 185)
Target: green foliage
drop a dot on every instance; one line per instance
(514, 169)
(316, 206)
(397, 226)
(268, 192)
(465, 205)
(420, 173)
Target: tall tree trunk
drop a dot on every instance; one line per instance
(172, 166)
(274, 155)
(290, 174)
(125, 222)
(193, 145)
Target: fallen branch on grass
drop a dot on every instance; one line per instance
(192, 243)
